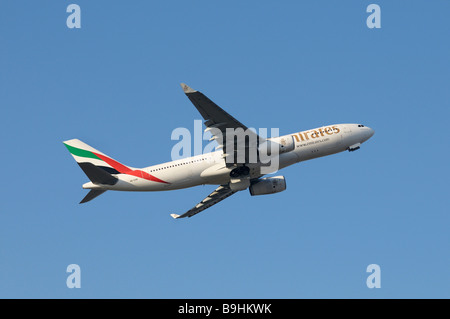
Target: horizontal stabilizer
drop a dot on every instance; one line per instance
(97, 175)
(92, 194)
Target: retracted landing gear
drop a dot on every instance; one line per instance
(354, 147)
(241, 171)
(240, 178)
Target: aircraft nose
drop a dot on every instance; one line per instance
(368, 133)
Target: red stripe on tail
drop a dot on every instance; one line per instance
(126, 170)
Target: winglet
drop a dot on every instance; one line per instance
(175, 216)
(187, 89)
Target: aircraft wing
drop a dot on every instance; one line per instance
(218, 195)
(217, 121)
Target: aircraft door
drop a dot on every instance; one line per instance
(347, 129)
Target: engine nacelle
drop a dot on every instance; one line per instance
(282, 144)
(268, 185)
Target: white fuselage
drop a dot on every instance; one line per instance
(211, 168)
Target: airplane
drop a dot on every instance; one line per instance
(229, 166)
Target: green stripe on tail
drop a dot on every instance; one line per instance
(80, 152)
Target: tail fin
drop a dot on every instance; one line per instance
(98, 175)
(83, 153)
(96, 165)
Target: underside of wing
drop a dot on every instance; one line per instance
(210, 111)
(216, 196)
(237, 141)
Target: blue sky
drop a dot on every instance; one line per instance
(293, 65)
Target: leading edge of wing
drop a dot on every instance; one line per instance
(219, 194)
(210, 111)
(218, 122)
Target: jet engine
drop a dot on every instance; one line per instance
(268, 185)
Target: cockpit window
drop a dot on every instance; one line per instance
(360, 125)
